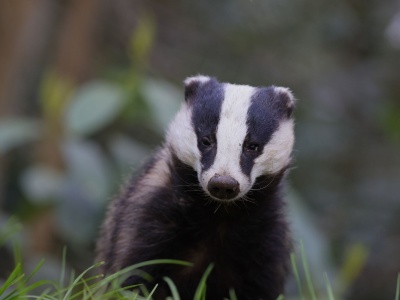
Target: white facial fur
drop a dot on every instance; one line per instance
(231, 132)
(182, 138)
(276, 153)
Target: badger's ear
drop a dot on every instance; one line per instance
(192, 84)
(285, 100)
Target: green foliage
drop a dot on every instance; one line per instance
(93, 106)
(86, 285)
(307, 273)
(89, 128)
(309, 292)
(142, 40)
(390, 120)
(41, 183)
(54, 94)
(355, 260)
(297, 275)
(328, 287)
(17, 132)
(18, 285)
(200, 293)
(163, 100)
(8, 230)
(173, 288)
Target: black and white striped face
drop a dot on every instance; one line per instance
(232, 134)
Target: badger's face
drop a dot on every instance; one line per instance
(232, 134)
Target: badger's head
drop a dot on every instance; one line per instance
(232, 134)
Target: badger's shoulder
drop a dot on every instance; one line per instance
(120, 226)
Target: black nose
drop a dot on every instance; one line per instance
(223, 187)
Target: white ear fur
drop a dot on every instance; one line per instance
(199, 78)
(286, 94)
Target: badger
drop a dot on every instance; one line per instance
(212, 194)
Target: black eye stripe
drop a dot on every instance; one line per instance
(261, 124)
(206, 105)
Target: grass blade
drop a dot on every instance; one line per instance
(173, 289)
(232, 294)
(76, 281)
(307, 273)
(38, 266)
(201, 288)
(296, 275)
(152, 292)
(22, 292)
(63, 267)
(125, 273)
(398, 288)
(328, 287)
(15, 276)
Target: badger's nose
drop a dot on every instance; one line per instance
(223, 187)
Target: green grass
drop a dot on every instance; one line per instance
(85, 286)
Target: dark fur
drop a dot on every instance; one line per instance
(165, 214)
(248, 242)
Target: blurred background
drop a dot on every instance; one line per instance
(88, 87)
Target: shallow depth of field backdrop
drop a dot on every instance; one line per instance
(87, 88)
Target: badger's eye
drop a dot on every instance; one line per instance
(253, 147)
(206, 141)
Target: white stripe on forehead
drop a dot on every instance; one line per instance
(232, 129)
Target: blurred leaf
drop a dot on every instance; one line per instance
(88, 166)
(9, 227)
(390, 120)
(85, 192)
(392, 31)
(127, 152)
(356, 258)
(93, 106)
(142, 40)
(41, 184)
(305, 230)
(76, 213)
(54, 93)
(163, 99)
(17, 132)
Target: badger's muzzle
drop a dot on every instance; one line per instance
(223, 187)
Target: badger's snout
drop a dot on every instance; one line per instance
(223, 187)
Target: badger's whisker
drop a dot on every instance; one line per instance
(219, 205)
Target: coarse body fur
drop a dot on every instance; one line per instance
(171, 210)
